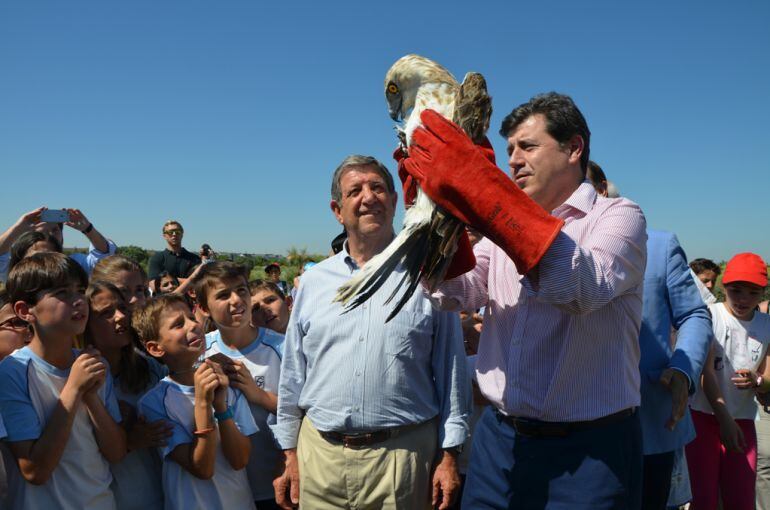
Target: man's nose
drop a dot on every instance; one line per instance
(516, 159)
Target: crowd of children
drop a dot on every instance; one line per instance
(115, 399)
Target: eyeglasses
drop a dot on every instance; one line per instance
(174, 232)
(13, 323)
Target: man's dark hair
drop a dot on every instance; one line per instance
(214, 272)
(700, 265)
(43, 272)
(563, 120)
(25, 241)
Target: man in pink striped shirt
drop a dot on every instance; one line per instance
(559, 351)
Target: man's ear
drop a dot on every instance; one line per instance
(576, 148)
(154, 349)
(335, 207)
(24, 311)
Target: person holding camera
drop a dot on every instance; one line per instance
(51, 222)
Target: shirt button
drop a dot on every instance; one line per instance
(361, 339)
(358, 372)
(355, 408)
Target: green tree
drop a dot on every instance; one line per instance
(135, 253)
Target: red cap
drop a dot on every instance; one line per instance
(746, 267)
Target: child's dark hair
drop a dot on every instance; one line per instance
(41, 272)
(21, 246)
(134, 370)
(700, 265)
(216, 272)
(146, 319)
(260, 285)
(159, 279)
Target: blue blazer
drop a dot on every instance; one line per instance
(671, 300)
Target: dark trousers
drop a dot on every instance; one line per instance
(656, 481)
(592, 469)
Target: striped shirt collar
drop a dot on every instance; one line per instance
(582, 200)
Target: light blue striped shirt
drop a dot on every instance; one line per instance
(354, 373)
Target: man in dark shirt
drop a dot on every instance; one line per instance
(174, 259)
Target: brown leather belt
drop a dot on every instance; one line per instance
(536, 428)
(358, 440)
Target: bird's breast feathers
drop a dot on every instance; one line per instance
(434, 96)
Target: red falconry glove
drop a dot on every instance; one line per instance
(463, 260)
(456, 175)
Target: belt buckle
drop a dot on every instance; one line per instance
(355, 442)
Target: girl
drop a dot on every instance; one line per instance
(137, 478)
(723, 456)
(166, 283)
(126, 275)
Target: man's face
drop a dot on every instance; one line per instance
(229, 303)
(540, 166)
(53, 229)
(366, 206)
(173, 233)
(708, 278)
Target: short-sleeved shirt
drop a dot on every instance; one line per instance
(137, 479)
(228, 488)
(176, 265)
(29, 393)
(738, 345)
(262, 358)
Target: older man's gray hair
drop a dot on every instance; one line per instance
(357, 160)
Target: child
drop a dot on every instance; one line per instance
(137, 478)
(724, 408)
(203, 460)
(165, 283)
(126, 275)
(269, 306)
(14, 332)
(57, 404)
(252, 360)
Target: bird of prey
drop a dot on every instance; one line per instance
(426, 244)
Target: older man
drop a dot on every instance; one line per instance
(559, 351)
(370, 414)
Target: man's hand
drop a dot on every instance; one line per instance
(731, 435)
(286, 486)
(446, 482)
(679, 386)
(78, 220)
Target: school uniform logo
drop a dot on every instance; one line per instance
(260, 381)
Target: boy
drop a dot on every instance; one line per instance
(251, 357)
(57, 403)
(204, 459)
(269, 306)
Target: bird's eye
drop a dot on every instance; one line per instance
(392, 88)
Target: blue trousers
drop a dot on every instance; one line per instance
(592, 469)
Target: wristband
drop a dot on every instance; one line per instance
(203, 432)
(225, 415)
(89, 228)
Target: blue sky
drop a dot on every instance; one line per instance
(230, 116)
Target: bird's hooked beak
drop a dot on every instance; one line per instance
(394, 109)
